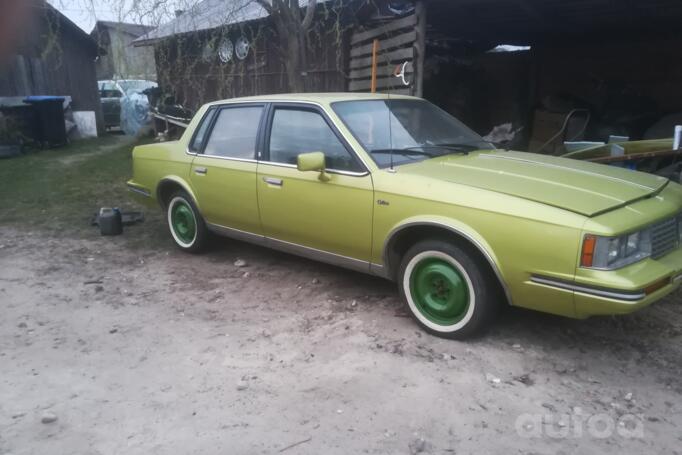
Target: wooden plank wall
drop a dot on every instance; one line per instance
(193, 81)
(398, 43)
(50, 59)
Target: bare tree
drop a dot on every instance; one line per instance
(306, 55)
(292, 27)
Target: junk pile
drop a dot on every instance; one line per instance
(41, 122)
(657, 156)
(629, 133)
(170, 117)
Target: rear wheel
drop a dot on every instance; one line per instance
(185, 223)
(446, 290)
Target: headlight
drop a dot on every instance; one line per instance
(610, 253)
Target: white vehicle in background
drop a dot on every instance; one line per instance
(123, 103)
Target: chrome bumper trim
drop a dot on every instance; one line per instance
(598, 292)
(138, 190)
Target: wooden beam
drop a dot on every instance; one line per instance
(420, 49)
(375, 55)
(382, 82)
(383, 70)
(405, 22)
(397, 56)
(392, 43)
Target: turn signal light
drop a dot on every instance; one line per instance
(587, 256)
(657, 286)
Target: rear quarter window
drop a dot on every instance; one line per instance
(200, 135)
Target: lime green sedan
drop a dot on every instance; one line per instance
(395, 187)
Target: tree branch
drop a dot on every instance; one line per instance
(309, 14)
(265, 5)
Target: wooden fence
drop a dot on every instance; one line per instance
(401, 44)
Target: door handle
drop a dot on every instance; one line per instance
(200, 170)
(273, 181)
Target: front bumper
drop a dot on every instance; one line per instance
(621, 291)
(633, 287)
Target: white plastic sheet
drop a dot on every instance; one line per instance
(134, 113)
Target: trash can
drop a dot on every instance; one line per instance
(50, 119)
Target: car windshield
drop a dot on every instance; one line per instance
(406, 130)
(133, 86)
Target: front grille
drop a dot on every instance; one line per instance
(664, 238)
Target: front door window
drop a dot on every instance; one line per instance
(296, 131)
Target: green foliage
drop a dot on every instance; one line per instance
(61, 189)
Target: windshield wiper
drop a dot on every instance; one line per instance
(421, 150)
(405, 151)
(459, 147)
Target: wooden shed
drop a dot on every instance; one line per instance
(118, 58)
(618, 61)
(53, 57)
(530, 63)
(228, 48)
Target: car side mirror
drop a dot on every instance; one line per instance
(313, 161)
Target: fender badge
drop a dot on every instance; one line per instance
(382, 202)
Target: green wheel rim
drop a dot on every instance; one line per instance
(183, 222)
(439, 291)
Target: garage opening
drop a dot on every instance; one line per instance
(558, 76)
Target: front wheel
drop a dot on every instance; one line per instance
(185, 223)
(446, 289)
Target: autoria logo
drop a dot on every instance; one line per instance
(579, 425)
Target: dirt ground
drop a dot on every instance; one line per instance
(136, 348)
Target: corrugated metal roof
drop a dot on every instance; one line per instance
(132, 29)
(324, 97)
(207, 15)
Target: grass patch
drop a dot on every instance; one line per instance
(60, 189)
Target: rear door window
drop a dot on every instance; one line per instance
(235, 133)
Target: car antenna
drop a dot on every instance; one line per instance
(388, 103)
(388, 110)
(390, 126)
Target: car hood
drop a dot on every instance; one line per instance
(581, 187)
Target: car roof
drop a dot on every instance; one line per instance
(125, 80)
(316, 97)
